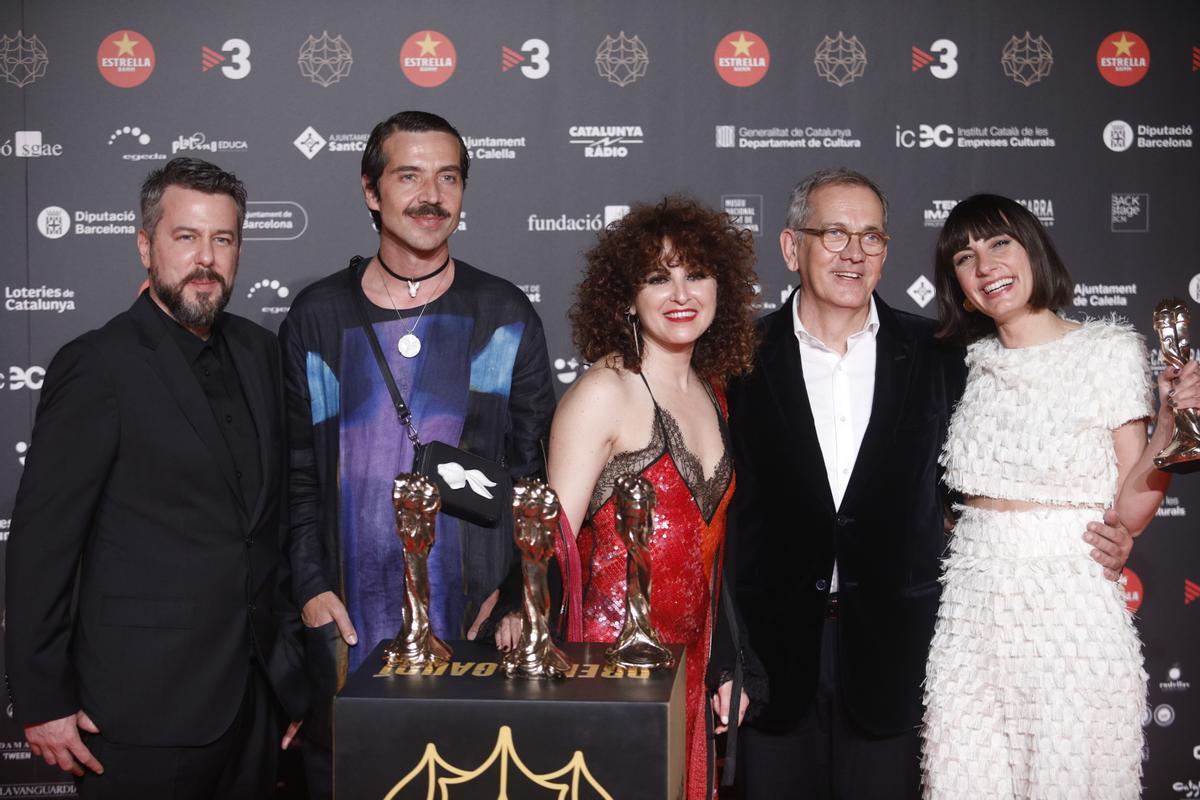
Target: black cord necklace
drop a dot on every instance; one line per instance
(414, 283)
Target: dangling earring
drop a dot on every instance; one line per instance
(968, 306)
(634, 328)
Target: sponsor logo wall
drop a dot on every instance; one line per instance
(1085, 119)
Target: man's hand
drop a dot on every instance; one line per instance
(58, 742)
(1111, 544)
(326, 608)
(720, 705)
(290, 734)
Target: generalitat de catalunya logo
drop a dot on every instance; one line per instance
(1123, 58)
(428, 58)
(742, 58)
(125, 58)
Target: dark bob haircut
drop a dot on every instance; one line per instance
(189, 173)
(983, 216)
(374, 160)
(628, 251)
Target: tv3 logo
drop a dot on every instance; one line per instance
(946, 65)
(537, 53)
(238, 51)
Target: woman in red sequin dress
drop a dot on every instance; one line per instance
(664, 316)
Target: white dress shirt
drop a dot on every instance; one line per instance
(840, 389)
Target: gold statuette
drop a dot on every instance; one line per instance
(637, 645)
(535, 519)
(1182, 453)
(417, 502)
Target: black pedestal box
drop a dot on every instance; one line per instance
(469, 732)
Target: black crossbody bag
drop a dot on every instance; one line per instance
(472, 488)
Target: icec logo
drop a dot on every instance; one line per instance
(925, 136)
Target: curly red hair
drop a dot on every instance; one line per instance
(627, 252)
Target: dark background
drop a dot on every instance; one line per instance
(1122, 264)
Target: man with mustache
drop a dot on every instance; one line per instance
(468, 354)
(151, 648)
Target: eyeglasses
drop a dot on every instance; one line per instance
(835, 240)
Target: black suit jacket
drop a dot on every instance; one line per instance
(887, 536)
(129, 498)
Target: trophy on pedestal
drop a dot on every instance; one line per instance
(1182, 453)
(535, 519)
(637, 644)
(417, 502)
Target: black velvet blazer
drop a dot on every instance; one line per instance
(887, 536)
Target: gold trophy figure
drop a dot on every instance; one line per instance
(535, 519)
(637, 645)
(1182, 453)
(417, 502)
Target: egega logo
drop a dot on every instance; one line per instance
(925, 136)
(272, 289)
(944, 66)
(1118, 136)
(23, 378)
(239, 59)
(538, 55)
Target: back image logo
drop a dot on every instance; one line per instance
(325, 60)
(428, 58)
(238, 58)
(125, 59)
(622, 60)
(1027, 60)
(841, 60)
(941, 59)
(742, 58)
(23, 59)
(1123, 58)
(535, 51)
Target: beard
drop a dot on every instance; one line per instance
(200, 312)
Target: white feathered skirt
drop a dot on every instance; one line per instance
(1035, 686)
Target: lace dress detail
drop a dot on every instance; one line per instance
(1035, 686)
(707, 491)
(685, 548)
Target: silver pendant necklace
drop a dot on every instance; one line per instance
(409, 345)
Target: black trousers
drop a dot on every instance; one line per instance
(239, 765)
(828, 756)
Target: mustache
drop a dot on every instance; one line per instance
(205, 274)
(426, 209)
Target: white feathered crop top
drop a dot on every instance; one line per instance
(1035, 423)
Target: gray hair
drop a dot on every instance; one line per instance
(797, 213)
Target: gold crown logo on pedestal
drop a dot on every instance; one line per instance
(565, 781)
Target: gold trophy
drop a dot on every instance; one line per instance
(417, 502)
(535, 519)
(637, 645)
(1182, 453)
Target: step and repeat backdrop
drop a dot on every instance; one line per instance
(1085, 112)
